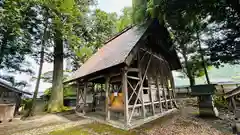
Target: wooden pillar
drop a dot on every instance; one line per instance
(85, 96)
(125, 93)
(151, 96)
(141, 86)
(78, 94)
(107, 111)
(164, 85)
(234, 105)
(171, 97)
(165, 97)
(223, 91)
(159, 95)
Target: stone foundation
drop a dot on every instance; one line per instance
(206, 106)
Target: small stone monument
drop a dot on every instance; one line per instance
(205, 99)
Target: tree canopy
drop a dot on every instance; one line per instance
(214, 23)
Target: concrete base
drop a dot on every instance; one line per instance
(206, 106)
(236, 128)
(133, 124)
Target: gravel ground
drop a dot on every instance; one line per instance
(185, 122)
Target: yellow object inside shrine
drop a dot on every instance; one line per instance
(116, 102)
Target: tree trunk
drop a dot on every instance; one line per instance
(31, 109)
(202, 57)
(189, 74)
(56, 99)
(44, 39)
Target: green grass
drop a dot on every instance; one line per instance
(94, 128)
(109, 130)
(71, 131)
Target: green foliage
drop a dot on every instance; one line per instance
(125, 20)
(94, 128)
(220, 21)
(68, 90)
(187, 23)
(15, 42)
(96, 29)
(26, 103)
(139, 13)
(220, 102)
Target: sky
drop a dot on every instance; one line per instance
(114, 5)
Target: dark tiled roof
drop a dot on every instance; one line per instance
(114, 51)
(9, 87)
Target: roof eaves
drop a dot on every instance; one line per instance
(13, 89)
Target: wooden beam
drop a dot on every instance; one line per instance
(159, 96)
(133, 70)
(140, 59)
(125, 94)
(131, 55)
(132, 77)
(232, 93)
(113, 75)
(134, 90)
(153, 54)
(140, 89)
(107, 111)
(94, 78)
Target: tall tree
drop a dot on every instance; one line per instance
(223, 26)
(42, 52)
(98, 27)
(15, 41)
(64, 14)
(186, 23)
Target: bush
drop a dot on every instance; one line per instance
(220, 101)
(26, 103)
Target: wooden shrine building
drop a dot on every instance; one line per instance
(129, 81)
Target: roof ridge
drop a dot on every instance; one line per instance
(119, 33)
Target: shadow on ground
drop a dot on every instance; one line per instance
(70, 115)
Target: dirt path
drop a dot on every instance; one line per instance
(41, 124)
